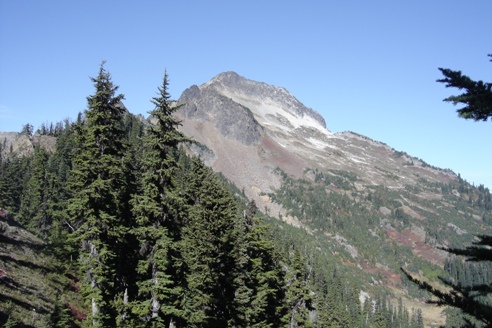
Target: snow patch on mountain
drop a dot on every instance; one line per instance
(272, 114)
(319, 143)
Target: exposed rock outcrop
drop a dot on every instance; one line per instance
(18, 144)
(229, 117)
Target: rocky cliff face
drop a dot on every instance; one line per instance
(230, 118)
(18, 144)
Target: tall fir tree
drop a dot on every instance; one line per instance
(98, 206)
(299, 298)
(155, 208)
(260, 291)
(208, 250)
(14, 174)
(35, 210)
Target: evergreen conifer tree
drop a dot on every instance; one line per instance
(61, 318)
(208, 249)
(14, 174)
(155, 208)
(97, 208)
(60, 166)
(477, 96)
(299, 298)
(260, 294)
(35, 211)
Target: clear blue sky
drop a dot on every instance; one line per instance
(366, 66)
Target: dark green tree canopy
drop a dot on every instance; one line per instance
(477, 96)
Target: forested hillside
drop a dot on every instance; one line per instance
(128, 228)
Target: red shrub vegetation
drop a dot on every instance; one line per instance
(78, 314)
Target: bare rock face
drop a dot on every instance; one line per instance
(230, 118)
(18, 144)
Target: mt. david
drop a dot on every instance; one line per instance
(250, 128)
(373, 208)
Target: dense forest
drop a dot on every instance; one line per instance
(148, 236)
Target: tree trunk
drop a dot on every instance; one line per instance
(155, 305)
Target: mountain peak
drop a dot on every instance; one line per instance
(274, 101)
(229, 77)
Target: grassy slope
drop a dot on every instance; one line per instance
(30, 281)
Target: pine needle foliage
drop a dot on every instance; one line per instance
(477, 96)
